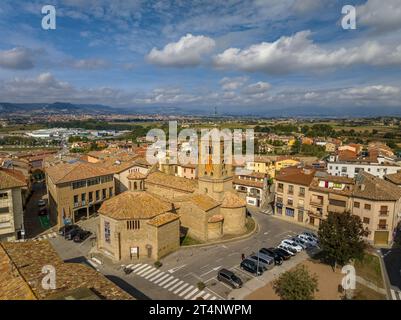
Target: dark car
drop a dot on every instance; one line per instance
(69, 235)
(42, 212)
(282, 253)
(278, 260)
(81, 236)
(230, 278)
(250, 266)
(64, 229)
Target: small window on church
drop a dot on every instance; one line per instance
(133, 224)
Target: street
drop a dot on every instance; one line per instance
(183, 270)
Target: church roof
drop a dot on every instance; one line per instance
(232, 200)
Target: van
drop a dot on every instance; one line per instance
(265, 261)
(229, 278)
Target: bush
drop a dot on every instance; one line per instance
(158, 264)
(201, 285)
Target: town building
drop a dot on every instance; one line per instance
(307, 198)
(11, 205)
(252, 186)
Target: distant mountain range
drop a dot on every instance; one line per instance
(96, 109)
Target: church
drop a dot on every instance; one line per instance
(148, 220)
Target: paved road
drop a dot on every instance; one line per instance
(31, 219)
(392, 261)
(182, 270)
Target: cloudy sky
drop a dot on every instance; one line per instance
(232, 54)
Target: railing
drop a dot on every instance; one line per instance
(382, 227)
(280, 190)
(301, 195)
(316, 202)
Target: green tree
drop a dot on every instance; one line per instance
(341, 238)
(297, 284)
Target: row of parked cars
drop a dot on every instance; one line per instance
(74, 232)
(266, 258)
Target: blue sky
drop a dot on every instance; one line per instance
(233, 54)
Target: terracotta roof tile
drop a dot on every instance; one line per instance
(169, 181)
(232, 200)
(11, 179)
(163, 219)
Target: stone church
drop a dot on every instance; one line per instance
(148, 220)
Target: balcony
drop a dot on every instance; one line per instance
(77, 204)
(316, 202)
(281, 190)
(382, 227)
(301, 195)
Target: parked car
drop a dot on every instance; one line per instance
(81, 236)
(229, 278)
(250, 266)
(42, 212)
(69, 235)
(282, 253)
(290, 250)
(311, 235)
(309, 240)
(278, 260)
(41, 202)
(292, 244)
(62, 231)
(302, 243)
(265, 261)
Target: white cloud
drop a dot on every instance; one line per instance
(257, 88)
(188, 51)
(380, 15)
(300, 53)
(230, 84)
(17, 59)
(90, 64)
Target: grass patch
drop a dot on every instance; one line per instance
(365, 293)
(369, 269)
(188, 241)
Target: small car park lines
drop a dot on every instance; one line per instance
(166, 280)
(45, 236)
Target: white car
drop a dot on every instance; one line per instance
(292, 244)
(287, 249)
(301, 242)
(307, 239)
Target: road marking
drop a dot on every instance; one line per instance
(175, 286)
(233, 253)
(204, 266)
(136, 266)
(172, 270)
(180, 288)
(161, 278)
(144, 270)
(148, 271)
(207, 296)
(214, 269)
(396, 295)
(224, 246)
(200, 294)
(170, 283)
(186, 290)
(156, 276)
(218, 260)
(213, 298)
(165, 281)
(152, 274)
(191, 293)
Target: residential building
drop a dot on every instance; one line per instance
(11, 205)
(252, 186)
(351, 168)
(76, 190)
(394, 178)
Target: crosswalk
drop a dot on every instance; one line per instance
(395, 295)
(45, 236)
(169, 282)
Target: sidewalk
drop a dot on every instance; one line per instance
(268, 276)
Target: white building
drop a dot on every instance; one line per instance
(351, 168)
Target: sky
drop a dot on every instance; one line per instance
(237, 55)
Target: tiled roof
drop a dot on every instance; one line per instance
(169, 181)
(202, 201)
(296, 176)
(249, 183)
(134, 205)
(68, 172)
(11, 179)
(163, 219)
(216, 218)
(374, 188)
(12, 284)
(29, 258)
(394, 177)
(232, 200)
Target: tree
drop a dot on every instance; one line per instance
(297, 284)
(341, 237)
